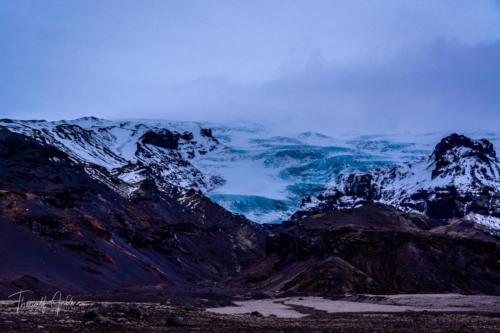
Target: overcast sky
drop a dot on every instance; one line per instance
(334, 66)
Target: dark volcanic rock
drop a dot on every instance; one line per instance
(480, 149)
(188, 136)
(206, 132)
(361, 186)
(163, 138)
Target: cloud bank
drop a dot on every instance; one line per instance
(343, 66)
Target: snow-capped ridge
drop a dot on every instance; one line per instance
(132, 151)
(460, 177)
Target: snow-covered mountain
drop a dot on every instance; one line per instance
(130, 150)
(460, 178)
(73, 233)
(247, 168)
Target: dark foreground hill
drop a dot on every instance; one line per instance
(376, 249)
(62, 229)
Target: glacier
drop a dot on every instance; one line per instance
(267, 174)
(259, 171)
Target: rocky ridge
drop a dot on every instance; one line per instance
(460, 178)
(127, 150)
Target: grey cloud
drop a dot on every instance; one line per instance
(442, 87)
(352, 66)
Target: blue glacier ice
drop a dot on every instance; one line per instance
(267, 174)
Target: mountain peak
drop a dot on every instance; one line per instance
(455, 148)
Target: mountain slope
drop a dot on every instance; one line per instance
(64, 229)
